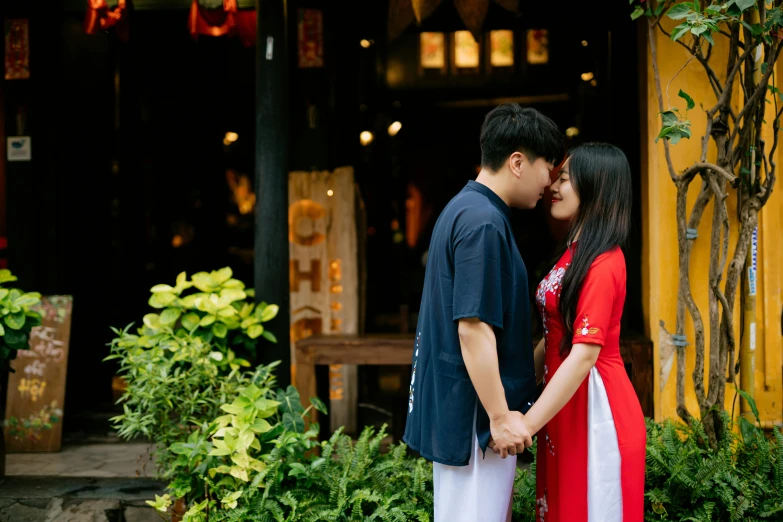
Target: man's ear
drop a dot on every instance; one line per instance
(516, 163)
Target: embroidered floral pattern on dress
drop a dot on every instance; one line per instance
(413, 373)
(551, 283)
(585, 329)
(549, 445)
(543, 508)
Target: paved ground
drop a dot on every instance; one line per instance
(87, 460)
(77, 499)
(82, 483)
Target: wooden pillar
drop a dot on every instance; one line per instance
(271, 232)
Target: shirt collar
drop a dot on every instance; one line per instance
(494, 198)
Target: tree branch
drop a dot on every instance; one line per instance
(726, 94)
(656, 73)
(694, 169)
(761, 88)
(714, 80)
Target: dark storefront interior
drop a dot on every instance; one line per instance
(145, 157)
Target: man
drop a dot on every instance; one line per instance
(473, 371)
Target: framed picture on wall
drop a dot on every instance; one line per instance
(432, 51)
(501, 48)
(537, 46)
(467, 52)
(310, 38)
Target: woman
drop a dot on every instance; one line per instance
(591, 430)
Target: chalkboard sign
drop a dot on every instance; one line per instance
(36, 389)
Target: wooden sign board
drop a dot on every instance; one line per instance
(36, 389)
(323, 274)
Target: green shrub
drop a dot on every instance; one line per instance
(18, 319)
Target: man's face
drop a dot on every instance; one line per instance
(532, 180)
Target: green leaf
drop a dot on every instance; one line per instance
(255, 331)
(234, 283)
(669, 119)
(162, 299)
(33, 298)
(685, 96)
(699, 29)
(269, 336)
(764, 67)
(708, 37)
(319, 405)
(152, 321)
(268, 313)
(229, 295)
(744, 4)
(714, 9)
(161, 288)
(679, 31)
(679, 11)
(207, 320)
(659, 8)
(293, 423)
(675, 136)
(222, 275)
(751, 402)
(233, 408)
(638, 12)
(190, 321)
(204, 282)
(261, 426)
(2, 332)
(15, 339)
(6, 276)
(220, 330)
(170, 316)
(15, 321)
(290, 401)
(33, 319)
(3, 293)
(748, 430)
(248, 322)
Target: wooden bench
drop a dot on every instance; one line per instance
(347, 349)
(637, 353)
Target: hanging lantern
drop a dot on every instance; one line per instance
(212, 17)
(104, 14)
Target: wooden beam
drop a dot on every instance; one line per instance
(271, 179)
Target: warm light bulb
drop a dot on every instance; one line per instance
(330, 192)
(394, 128)
(366, 137)
(365, 43)
(584, 43)
(231, 137)
(572, 131)
(587, 76)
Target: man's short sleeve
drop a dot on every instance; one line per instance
(482, 275)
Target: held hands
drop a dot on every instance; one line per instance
(509, 434)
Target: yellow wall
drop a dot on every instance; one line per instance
(660, 271)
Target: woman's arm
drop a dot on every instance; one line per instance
(563, 385)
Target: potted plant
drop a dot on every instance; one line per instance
(17, 319)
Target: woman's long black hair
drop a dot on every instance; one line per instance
(601, 176)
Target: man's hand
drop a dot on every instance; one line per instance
(509, 433)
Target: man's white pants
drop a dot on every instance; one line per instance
(478, 492)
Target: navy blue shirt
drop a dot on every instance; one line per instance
(473, 270)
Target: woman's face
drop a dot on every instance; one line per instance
(565, 201)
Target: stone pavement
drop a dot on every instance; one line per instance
(78, 499)
(81, 483)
